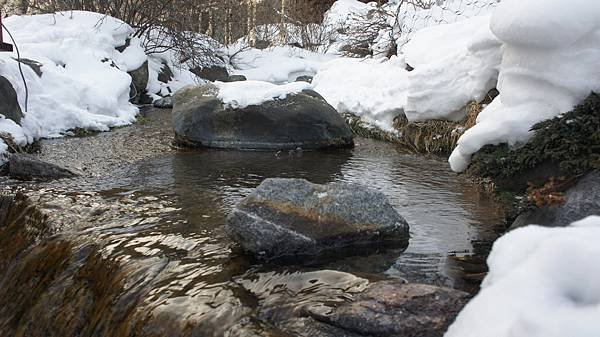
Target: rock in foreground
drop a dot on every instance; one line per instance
(293, 217)
(580, 201)
(390, 308)
(303, 120)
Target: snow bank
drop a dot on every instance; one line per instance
(373, 89)
(84, 83)
(276, 65)
(542, 282)
(454, 64)
(549, 64)
(238, 95)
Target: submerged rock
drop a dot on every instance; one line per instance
(292, 217)
(300, 120)
(27, 167)
(581, 200)
(9, 105)
(391, 308)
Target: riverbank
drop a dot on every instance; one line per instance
(142, 228)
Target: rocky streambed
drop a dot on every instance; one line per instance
(136, 244)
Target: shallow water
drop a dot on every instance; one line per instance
(173, 203)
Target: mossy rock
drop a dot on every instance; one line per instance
(568, 145)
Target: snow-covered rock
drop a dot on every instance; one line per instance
(542, 282)
(549, 64)
(84, 81)
(373, 89)
(454, 64)
(240, 94)
(257, 116)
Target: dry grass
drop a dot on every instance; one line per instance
(433, 136)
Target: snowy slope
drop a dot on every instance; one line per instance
(543, 282)
(84, 82)
(373, 89)
(454, 64)
(550, 57)
(277, 64)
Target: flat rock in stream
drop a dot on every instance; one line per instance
(293, 217)
(27, 167)
(394, 309)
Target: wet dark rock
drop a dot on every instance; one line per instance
(145, 98)
(303, 120)
(236, 78)
(581, 200)
(391, 308)
(293, 217)
(163, 103)
(9, 105)
(139, 82)
(304, 78)
(212, 73)
(27, 167)
(165, 74)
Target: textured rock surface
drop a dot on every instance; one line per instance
(236, 78)
(9, 105)
(291, 217)
(390, 308)
(301, 120)
(304, 78)
(139, 81)
(212, 73)
(163, 103)
(581, 200)
(27, 167)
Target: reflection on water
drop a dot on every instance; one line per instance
(172, 207)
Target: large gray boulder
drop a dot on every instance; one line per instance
(9, 105)
(581, 200)
(27, 167)
(394, 309)
(139, 81)
(293, 217)
(303, 120)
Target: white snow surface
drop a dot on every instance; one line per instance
(454, 64)
(238, 95)
(543, 282)
(374, 89)
(550, 56)
(276, 65)
(84, 82)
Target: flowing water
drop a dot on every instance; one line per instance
(161, 212)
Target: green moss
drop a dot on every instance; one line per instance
(570, 142)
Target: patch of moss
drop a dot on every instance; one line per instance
(570, 144)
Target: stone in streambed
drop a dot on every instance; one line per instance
(293, 217)
(394, 309)
(27, 167)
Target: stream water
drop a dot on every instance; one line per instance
(173, 204)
